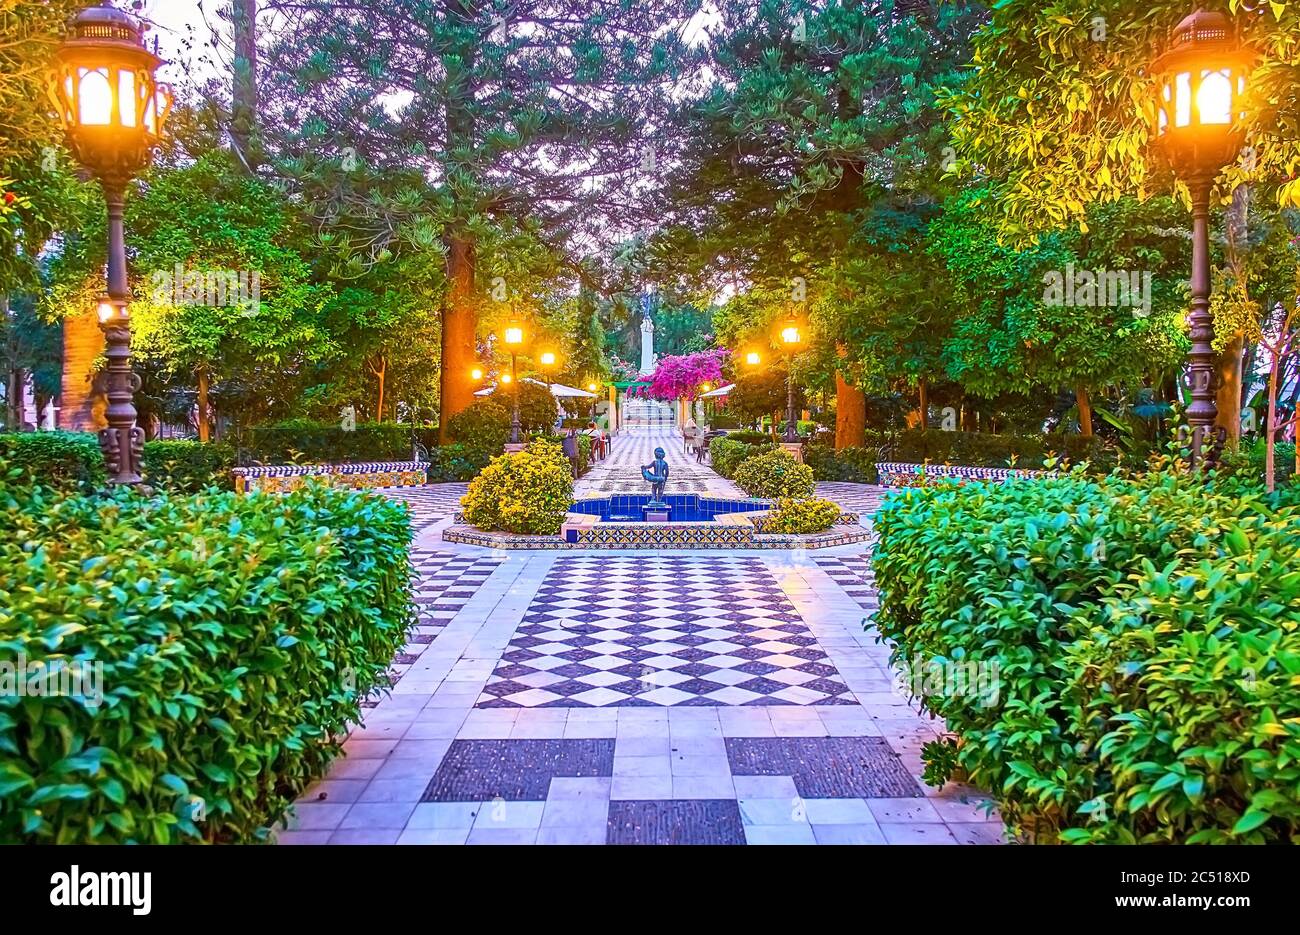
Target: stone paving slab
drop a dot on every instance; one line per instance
(437, 762)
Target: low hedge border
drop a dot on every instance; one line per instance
(234, 636)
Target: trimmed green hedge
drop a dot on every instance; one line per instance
(854, 465)
(302, 441)
(725, 455)
(237, 636)
(67, 461)
(1143, 642)
(188, 466)
(984, 449)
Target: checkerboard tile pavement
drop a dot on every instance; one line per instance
(624, 631)
(443, 582)
(853, 573)
(863, 499)
(429, 504)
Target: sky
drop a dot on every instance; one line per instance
(173, 21)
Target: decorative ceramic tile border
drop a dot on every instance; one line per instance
(657, 536)
(280, 478)
(907, 474)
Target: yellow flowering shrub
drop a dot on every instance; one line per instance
(529, 492)
(808, 515)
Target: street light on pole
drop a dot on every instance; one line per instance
(112, 110)
(514, 336)
(791, 337)
(1202, 78)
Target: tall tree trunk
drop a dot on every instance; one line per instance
(850, 414)
(923, 404)
(1248, 372)
(379, 367)
(459, 324)
(204, 417)
(1085, 411)
(243, 111)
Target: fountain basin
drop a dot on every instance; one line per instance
(683, 508)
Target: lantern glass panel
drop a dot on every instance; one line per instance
(1182, 99)
(126, 96)
(95, 98)
(1214, 97)
(150, 115)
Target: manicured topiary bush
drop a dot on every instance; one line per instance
(67, 461)
(236, 635)
(188, 466)
(528, 492)
(808, 515)
(775, 474)
(1144, 638)
(725, 455)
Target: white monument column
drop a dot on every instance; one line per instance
(647, 345)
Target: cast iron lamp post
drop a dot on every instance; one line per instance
(1202, 77)
(112, 110)
(791, 337)
(514, 336)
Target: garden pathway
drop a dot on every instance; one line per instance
(639, 697)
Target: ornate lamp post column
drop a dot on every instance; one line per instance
(1202, 78)
(112, 111)
(514, 336)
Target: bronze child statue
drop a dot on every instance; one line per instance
(659, 477)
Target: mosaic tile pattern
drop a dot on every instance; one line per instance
(515, 770)
(681, 821)
(429, 504)
(825, 767)
(662, 631)
(853, 573)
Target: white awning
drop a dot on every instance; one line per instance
(719, 392)
(558, 390)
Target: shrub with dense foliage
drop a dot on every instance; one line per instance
(455, 462)
(984, 449)
(302, 441)
(1145, 635)
(66, 461)
(725, 455)
(775, 474)
(528, 492)
(236, 634)
(802, 516)
(188, 466)
(854, 465)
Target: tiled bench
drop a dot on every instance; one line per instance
(279, 478)
(908, 474)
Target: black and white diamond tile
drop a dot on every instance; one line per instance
(662, 631)
(442, 582)
(429, 504)
(853, 573)
(863, 499)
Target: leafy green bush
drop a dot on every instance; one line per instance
(528, 492)
(188, 466)
(726, 455)
(483, 428)
(456, 462)
(775, 474)
(301, 441)
(65, 461)
(854, 465)
(1144, 635)
(802, 516)
(236, 634)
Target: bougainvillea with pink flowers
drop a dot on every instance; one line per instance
(682, 377)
